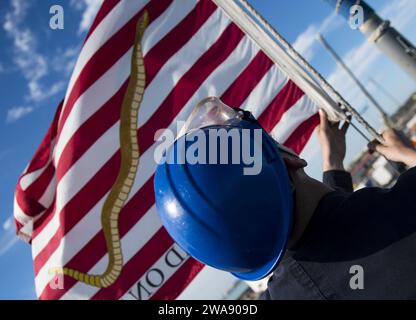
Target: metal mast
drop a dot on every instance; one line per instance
(387, 39)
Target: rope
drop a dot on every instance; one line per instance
(344, 105)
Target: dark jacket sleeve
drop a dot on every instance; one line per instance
(339, 180)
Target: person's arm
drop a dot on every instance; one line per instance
(333, 147)
(339, 180)
(396, 148)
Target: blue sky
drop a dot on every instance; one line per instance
(35, 65)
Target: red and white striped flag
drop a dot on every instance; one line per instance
(191, 50)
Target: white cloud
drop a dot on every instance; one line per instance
(39, 93)
(306, 43)
(64, 60)
(90, 9)
(8, 238)
(359, 59)
(399, 12)
(15, 113)
(8, 224)
(31, 63)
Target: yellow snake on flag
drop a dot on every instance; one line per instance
(130, 156)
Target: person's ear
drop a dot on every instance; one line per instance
(294, 162)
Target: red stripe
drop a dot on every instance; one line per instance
(42, 155)
(236, 94)
(39, 224)
(28, 200)
(285, 99)
(106, 56)
(142, 261)
(39, 186)
(298, 139)
(177, 38)
(19, 231)
(18, 225)
(105, 9)
(178, 282)
(28, 205)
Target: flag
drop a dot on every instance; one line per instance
(191, 49)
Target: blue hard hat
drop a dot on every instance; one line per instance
(219, 215)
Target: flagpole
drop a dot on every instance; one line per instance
(292, 62)
(387, 121)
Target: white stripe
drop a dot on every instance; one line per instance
(19, 214)
(110, 25)
(303, 109)
(26, 221)
(215, 84)
(29, 178)
(265, 91)
(47, 197)
(165, 23)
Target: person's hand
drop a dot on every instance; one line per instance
(332, 141)
(396, 147)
